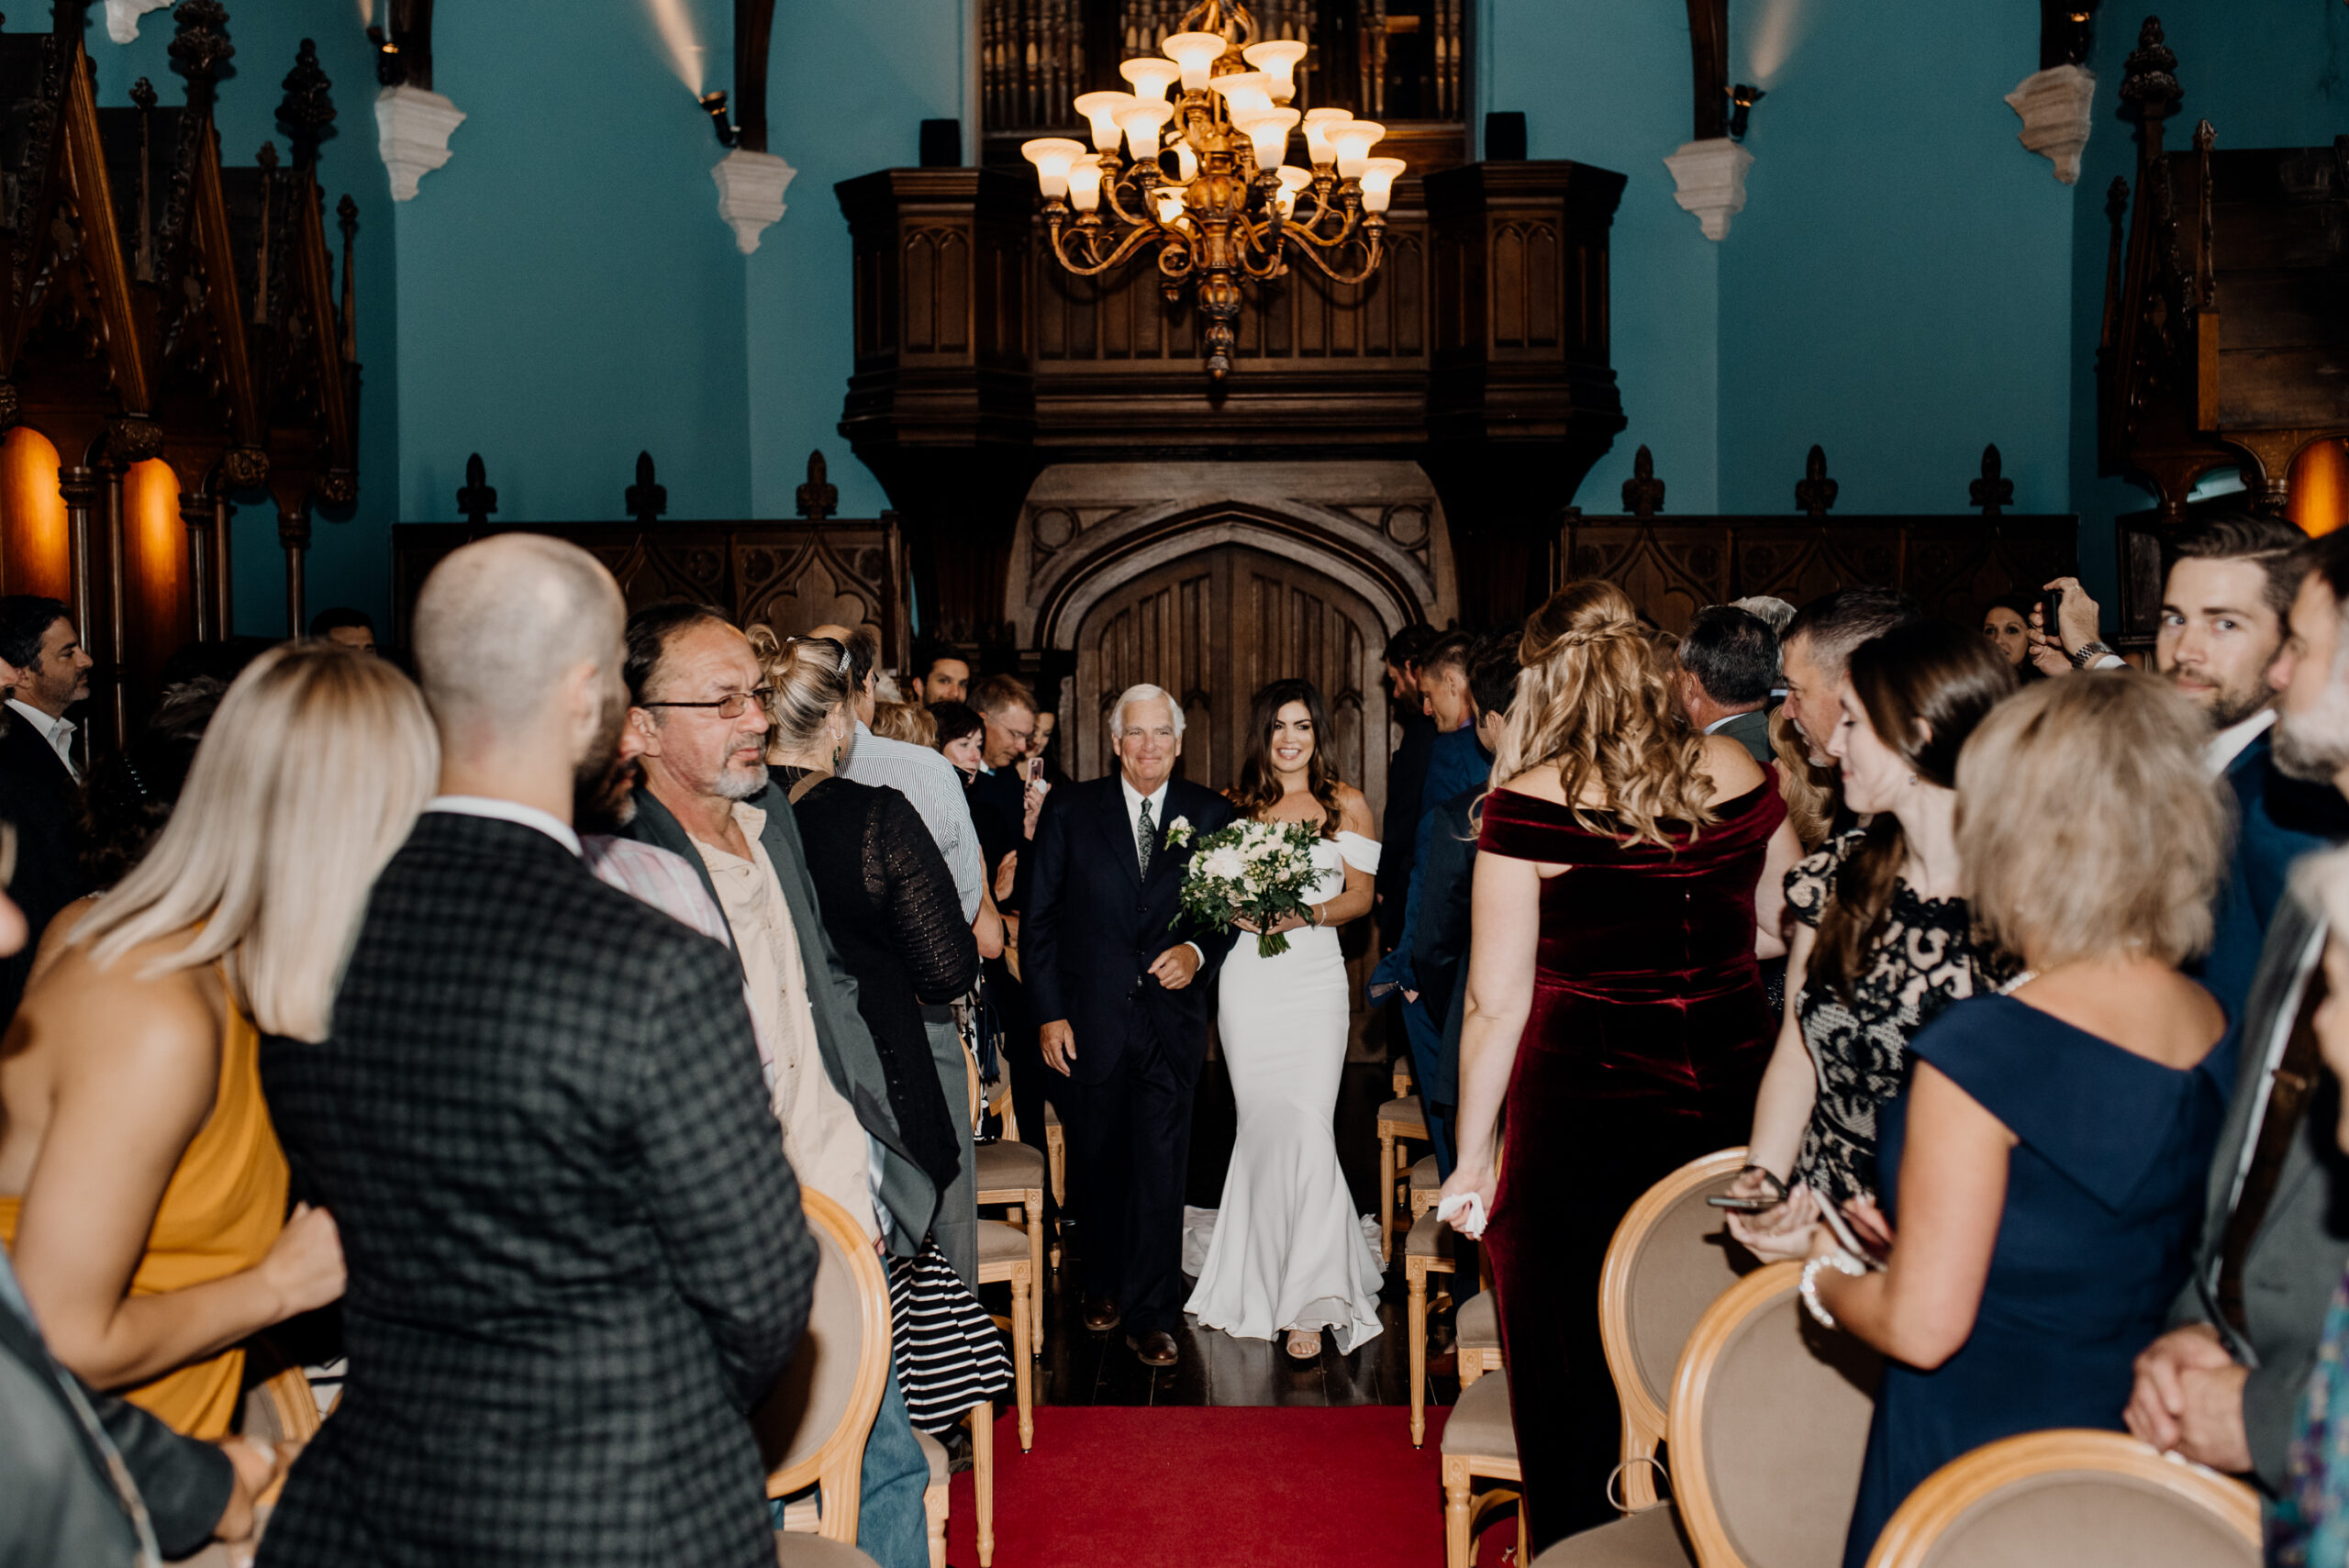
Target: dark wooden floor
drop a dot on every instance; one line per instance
(1084, 1368)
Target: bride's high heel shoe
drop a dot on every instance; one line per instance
(1302, 1346)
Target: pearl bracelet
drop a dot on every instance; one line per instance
(1842, 1262)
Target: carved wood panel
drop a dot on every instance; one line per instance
(1949, 565)
(1213, 627)
(791, 576)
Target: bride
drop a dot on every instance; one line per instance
(1287, 1253)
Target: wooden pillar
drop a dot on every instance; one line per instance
(195, 513)
(224, 580)
(114, 640)
(293, 535)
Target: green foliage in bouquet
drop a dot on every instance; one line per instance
(1249, 870)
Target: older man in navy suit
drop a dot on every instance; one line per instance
(1116, 975)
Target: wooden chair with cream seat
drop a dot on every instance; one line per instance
(1426, 1251)
(1013, 1175)
(1399, 1119)
(1767, 1427)
(1427, 1187)
(1479, 1442)
(1056, 1163)
(1670, 1258)
(813, 1427)
(1476, 1337)
(2081, 1499)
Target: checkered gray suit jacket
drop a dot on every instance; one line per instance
(576, 1256)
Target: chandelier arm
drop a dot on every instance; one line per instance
(1352, 228)
(1373, 253)
(1126, 247)
(1110, 188)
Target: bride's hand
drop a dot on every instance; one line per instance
(1241, 922)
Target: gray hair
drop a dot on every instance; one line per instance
(1144, 692)
(1770, 610)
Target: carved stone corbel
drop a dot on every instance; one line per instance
(2056, 106)
(412, 129)
(1711, 177)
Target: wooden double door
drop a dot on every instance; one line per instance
(1213, 627)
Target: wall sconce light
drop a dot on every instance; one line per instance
(391, 71)
(713, 104)
(1743, 97)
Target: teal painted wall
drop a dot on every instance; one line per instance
(2269, 74)
(1607, 83)
(350, 555)
(570, 295)
(848, 84)
(1905, 283)
(1895, 289)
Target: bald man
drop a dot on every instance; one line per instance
(576, 1255)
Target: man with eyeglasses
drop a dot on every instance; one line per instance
(699, 714)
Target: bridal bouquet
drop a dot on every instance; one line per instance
(1249, 870)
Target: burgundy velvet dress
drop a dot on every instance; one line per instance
(1645, 1050)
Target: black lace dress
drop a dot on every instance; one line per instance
(1924, 959)
(891, 910)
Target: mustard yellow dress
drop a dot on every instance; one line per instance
(220, 1212)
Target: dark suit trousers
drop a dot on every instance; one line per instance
(1130, 1147)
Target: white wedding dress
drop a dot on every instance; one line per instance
(1288, 1250)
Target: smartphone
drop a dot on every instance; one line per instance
(2051, 605)
(1754, 1205)
(1874, 1257)
(1034, 768)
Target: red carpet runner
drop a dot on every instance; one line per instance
(1111, 1487)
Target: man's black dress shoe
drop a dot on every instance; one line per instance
(1101, 1313)
(1156, 1348)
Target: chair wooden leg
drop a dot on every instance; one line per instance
(1416, 1291)
(983, 1479)
(1022, 1325)
(935, 1502)
(1386, 1198)
(1056, 1160)
(1036, 1262)
(1458, 1516)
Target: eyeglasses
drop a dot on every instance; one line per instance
(730, 705)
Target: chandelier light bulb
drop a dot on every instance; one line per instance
(1103, 109)
(1151, 75)
(1292, 181)
(1244, 92)
(1379, 177)
(1352, 142)
(1196, 53)
(1187, 163)
(1085, 184)
(1268, 130)
(1169, 203)
(1052, 155)
(1278, 59)
(1141, 125)
(1319, 124)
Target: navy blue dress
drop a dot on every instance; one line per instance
(2104, 1190)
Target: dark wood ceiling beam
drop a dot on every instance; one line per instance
(1709, 58)
(754, 26)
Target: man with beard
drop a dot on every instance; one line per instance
(2221, 626)
(698, 729)
(2222, 1386)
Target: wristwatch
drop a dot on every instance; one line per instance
(2088, 654)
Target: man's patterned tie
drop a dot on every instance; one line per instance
(1145, 836)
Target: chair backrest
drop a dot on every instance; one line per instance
(1768, 1430)
(2086, 1500)
(813, 1425)
(1671, 1258)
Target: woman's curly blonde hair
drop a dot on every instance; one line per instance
(1592, 702)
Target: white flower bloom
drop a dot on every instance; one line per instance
(1224, 861)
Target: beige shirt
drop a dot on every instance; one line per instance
(821, 1133)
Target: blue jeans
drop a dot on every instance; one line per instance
(892, 1526)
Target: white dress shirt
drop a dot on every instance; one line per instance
(935, 789)
(512, 811)
(2219, 752)
(1133, 799)
(58, 732)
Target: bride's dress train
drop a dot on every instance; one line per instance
(1288, 1251)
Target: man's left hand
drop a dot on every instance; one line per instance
(2080, 614)
(2210, 1426)
(1176, 966)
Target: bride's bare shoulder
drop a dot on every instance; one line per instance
(1353, 812)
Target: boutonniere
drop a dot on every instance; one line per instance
(1178, 832)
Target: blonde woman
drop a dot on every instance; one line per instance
(2045, 1164)
(1628, 871)
(142, 1191)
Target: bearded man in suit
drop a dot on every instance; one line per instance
(1116, 975)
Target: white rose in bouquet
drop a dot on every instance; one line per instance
(1252, 871)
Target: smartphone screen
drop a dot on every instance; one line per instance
(2050, 606)
(1035, 768)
